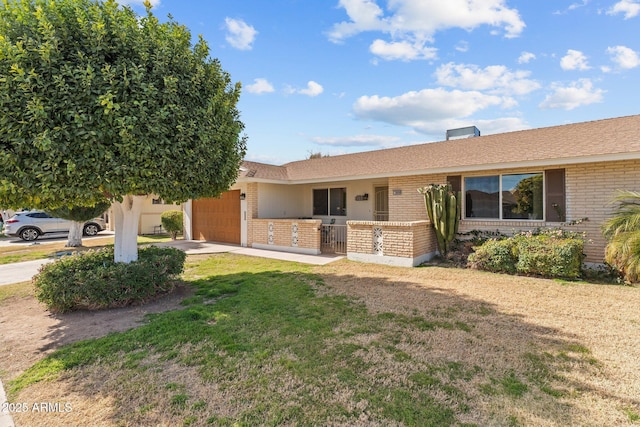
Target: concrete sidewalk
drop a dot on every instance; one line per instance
(24, 271)
(200, 247)
(20, 271)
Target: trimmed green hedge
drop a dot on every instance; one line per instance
(92, 280)
(550, 254)
(549, 257)
(497, 256)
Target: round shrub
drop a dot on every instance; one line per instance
(172, 222)
(498, 256)
(92, 280)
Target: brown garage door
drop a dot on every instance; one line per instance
(217, 220)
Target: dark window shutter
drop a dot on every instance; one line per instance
(556, 206)
(455, 181)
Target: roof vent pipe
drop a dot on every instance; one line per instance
(467, 132)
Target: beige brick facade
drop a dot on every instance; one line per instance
(252, 209)
(405, 203)
(589, 188)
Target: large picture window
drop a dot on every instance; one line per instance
(513, 196)
(482, 197)
(330, 201)
(522, 196)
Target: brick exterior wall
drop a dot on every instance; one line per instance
(589, 190)
(308, 236)
(252, 209)
(410, 239)
(409, 205)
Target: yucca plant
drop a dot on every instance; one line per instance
(623, 232)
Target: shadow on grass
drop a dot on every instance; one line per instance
(284, 347)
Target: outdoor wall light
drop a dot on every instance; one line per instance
(243, 196)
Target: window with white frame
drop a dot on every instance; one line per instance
(330, 201)
(507, 196)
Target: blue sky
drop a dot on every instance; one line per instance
(344, 76)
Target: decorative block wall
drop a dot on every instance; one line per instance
(295, 235)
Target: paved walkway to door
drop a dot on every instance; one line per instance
(201, 247)
(24, 271)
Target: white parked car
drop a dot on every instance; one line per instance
(29, 225)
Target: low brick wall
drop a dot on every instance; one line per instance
(406, 243)
(291, 235)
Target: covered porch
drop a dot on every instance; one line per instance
(333, 218)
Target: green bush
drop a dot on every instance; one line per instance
(92, 280)
(548, 253)
(172, 222)
(549, 257)
(498, 256)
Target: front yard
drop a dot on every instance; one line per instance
(264, 342)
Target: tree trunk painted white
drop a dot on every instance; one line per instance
(126, 215)
(75, 235)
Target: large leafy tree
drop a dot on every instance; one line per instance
(97, 102)
(623, 232)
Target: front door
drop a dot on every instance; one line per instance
(381, 200)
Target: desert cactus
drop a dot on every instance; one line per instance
(443, 209)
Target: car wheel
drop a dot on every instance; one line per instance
(29, 234)
(91, 230)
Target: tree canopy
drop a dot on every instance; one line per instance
(96, 101)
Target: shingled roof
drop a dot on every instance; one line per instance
(601, 140)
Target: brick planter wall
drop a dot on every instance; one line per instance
(407, 243)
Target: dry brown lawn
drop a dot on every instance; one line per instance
(524, 316)
(588, 336)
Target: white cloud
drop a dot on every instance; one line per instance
(462, 46)
(412, 23)
(358, 141)
(312, 89)
(526, 57)
(260, 86)
(577, 94)
(574, 60)
(630, 8)
(240, 34)
(421, 110)
(572, 7)
(365, 16)
(496, 79)
(624, 57)
(403, 50)
(575, 6)
(500, 125)
(432, 111)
